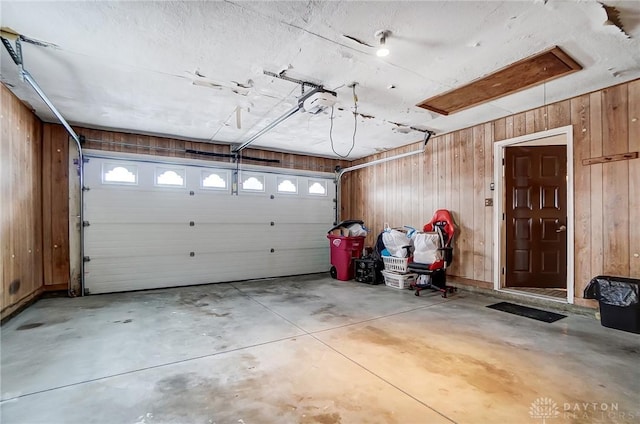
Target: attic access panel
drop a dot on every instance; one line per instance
(529, 72)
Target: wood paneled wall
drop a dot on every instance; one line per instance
(21, 256)
(456, 169)
(56, 183)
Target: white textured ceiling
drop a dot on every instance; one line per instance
(132, 65)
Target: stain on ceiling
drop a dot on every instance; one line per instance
(196, 70)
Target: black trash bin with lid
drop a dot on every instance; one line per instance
(619, 301)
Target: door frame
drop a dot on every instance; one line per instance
(499, 229)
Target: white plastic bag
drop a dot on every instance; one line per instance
(396, 242)
(357, 230)
(426, 248)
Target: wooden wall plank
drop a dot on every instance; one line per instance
(634, 179)
(55, 208)
(393, 175)
(47, 195)
(530, 120)
(441, 189)
(500, 129)
(596, 209)
(489, 262)
(407, 203)
(415, 188)
(580, 114)
(559, 114)
(453, 194)
(540, 119)
(435, 176)
(479, 178)
(509, 127)
(448, 174)
(616, 180)
(345, 196)
(465, 176)
(520, 125)
(429, 188)
(378, 184)
(36, 190)
(60, 207)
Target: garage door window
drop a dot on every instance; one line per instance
(287, 185)
(317, 188)
(214, 180)
(252, 182)
(119, 173)
(170, 177)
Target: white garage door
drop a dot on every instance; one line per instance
(155, 224)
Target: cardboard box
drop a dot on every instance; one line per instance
(340, 232)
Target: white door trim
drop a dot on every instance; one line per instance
(498, 228)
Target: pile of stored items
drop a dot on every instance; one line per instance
(396, 249)
(418, 259)
(403, 257)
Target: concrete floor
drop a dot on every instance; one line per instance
(309, 350)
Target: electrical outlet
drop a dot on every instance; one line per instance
(488, 202)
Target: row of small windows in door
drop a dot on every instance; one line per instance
(127, 174)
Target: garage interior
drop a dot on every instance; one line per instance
(169, 172)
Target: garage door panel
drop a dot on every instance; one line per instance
(140, 235)
(180, 236)
(113, 206)
(110, 207)
(167, 271)
(117, 240)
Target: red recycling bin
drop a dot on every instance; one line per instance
(343, 251)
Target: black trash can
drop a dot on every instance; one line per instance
(619, 300)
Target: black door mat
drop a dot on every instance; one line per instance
(524, 311)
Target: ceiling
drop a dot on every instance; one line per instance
(195, 70)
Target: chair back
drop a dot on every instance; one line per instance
(443, 221)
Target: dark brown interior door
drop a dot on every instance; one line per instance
(536, 216)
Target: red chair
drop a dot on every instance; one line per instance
(434, 247)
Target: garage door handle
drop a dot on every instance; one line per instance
(562, 229)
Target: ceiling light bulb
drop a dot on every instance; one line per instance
(382, 50)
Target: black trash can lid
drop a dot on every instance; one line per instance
(346, 224)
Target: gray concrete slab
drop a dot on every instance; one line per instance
(298, 380)
(323, 303)
(309, 350)
(63, 341)
(481, 365)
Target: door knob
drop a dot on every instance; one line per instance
(562, 229)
